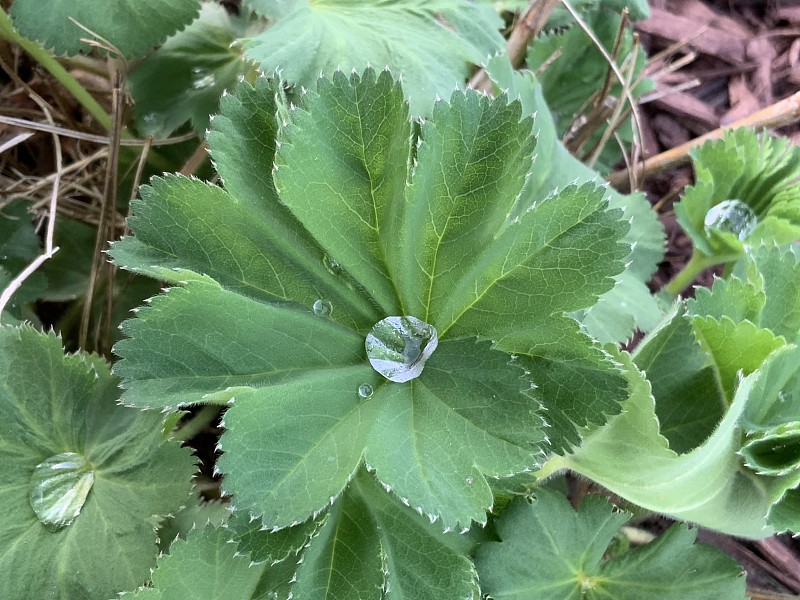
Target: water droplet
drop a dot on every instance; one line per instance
(201, 79)
(470, 480)
(731, 216)
(59, 487)
(365, 390)
(398, 347)
(333, 267)
(322, 308)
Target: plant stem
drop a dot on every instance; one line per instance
(198, 422)
(44, 58)
(698, 263)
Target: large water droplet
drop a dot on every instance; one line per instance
(322, 308)
(59, 487)
(365, 390)
(397, 347)
(731, 216)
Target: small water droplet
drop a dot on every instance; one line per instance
(781, 396)
(731, 216)
(59, 487)
(333, 267)
(323, 308)
(365, 390)
(331, 458)
(201, 79)
(470, 480)
(398, 347)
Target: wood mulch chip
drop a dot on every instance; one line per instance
(742, 56)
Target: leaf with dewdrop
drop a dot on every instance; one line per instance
(337, 216)
(746, 192)
(82, 476)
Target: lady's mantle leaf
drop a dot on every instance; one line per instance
(372, 547)
(709, 484)
(550, 552)
(432, 43)
(94, 535)
(184, 79)
(746, 191)
(132, 26)
(629, 305)
(281, 327)
(212, 565)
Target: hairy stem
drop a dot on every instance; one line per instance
(698, 263)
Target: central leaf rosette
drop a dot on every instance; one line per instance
(470, 291)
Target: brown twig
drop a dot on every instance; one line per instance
(196, 159)
(779, 114)
(105, 230)
(528, 27)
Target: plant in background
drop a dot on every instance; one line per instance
(746, 193)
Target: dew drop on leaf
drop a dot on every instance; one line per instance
(398, 347)
(365, 390)
(322, 308)
(731, 216)
(333, 267)
(59, 487)
(202, 80)
(470, 480)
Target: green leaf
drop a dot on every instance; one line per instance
(184, 79)
(550, 552)
(707, 485)
(371, 546)
(431, 43)
(689, 401)
(273, 314)
(19, 246)
(132, 26)
(734, 298)
(432, 441)
(734, 348)
(235, 341)
(68, 271)
(757, 171)
(56, 406)
(779, 270)
(208, 565)
(628, 305)
(364, 129)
